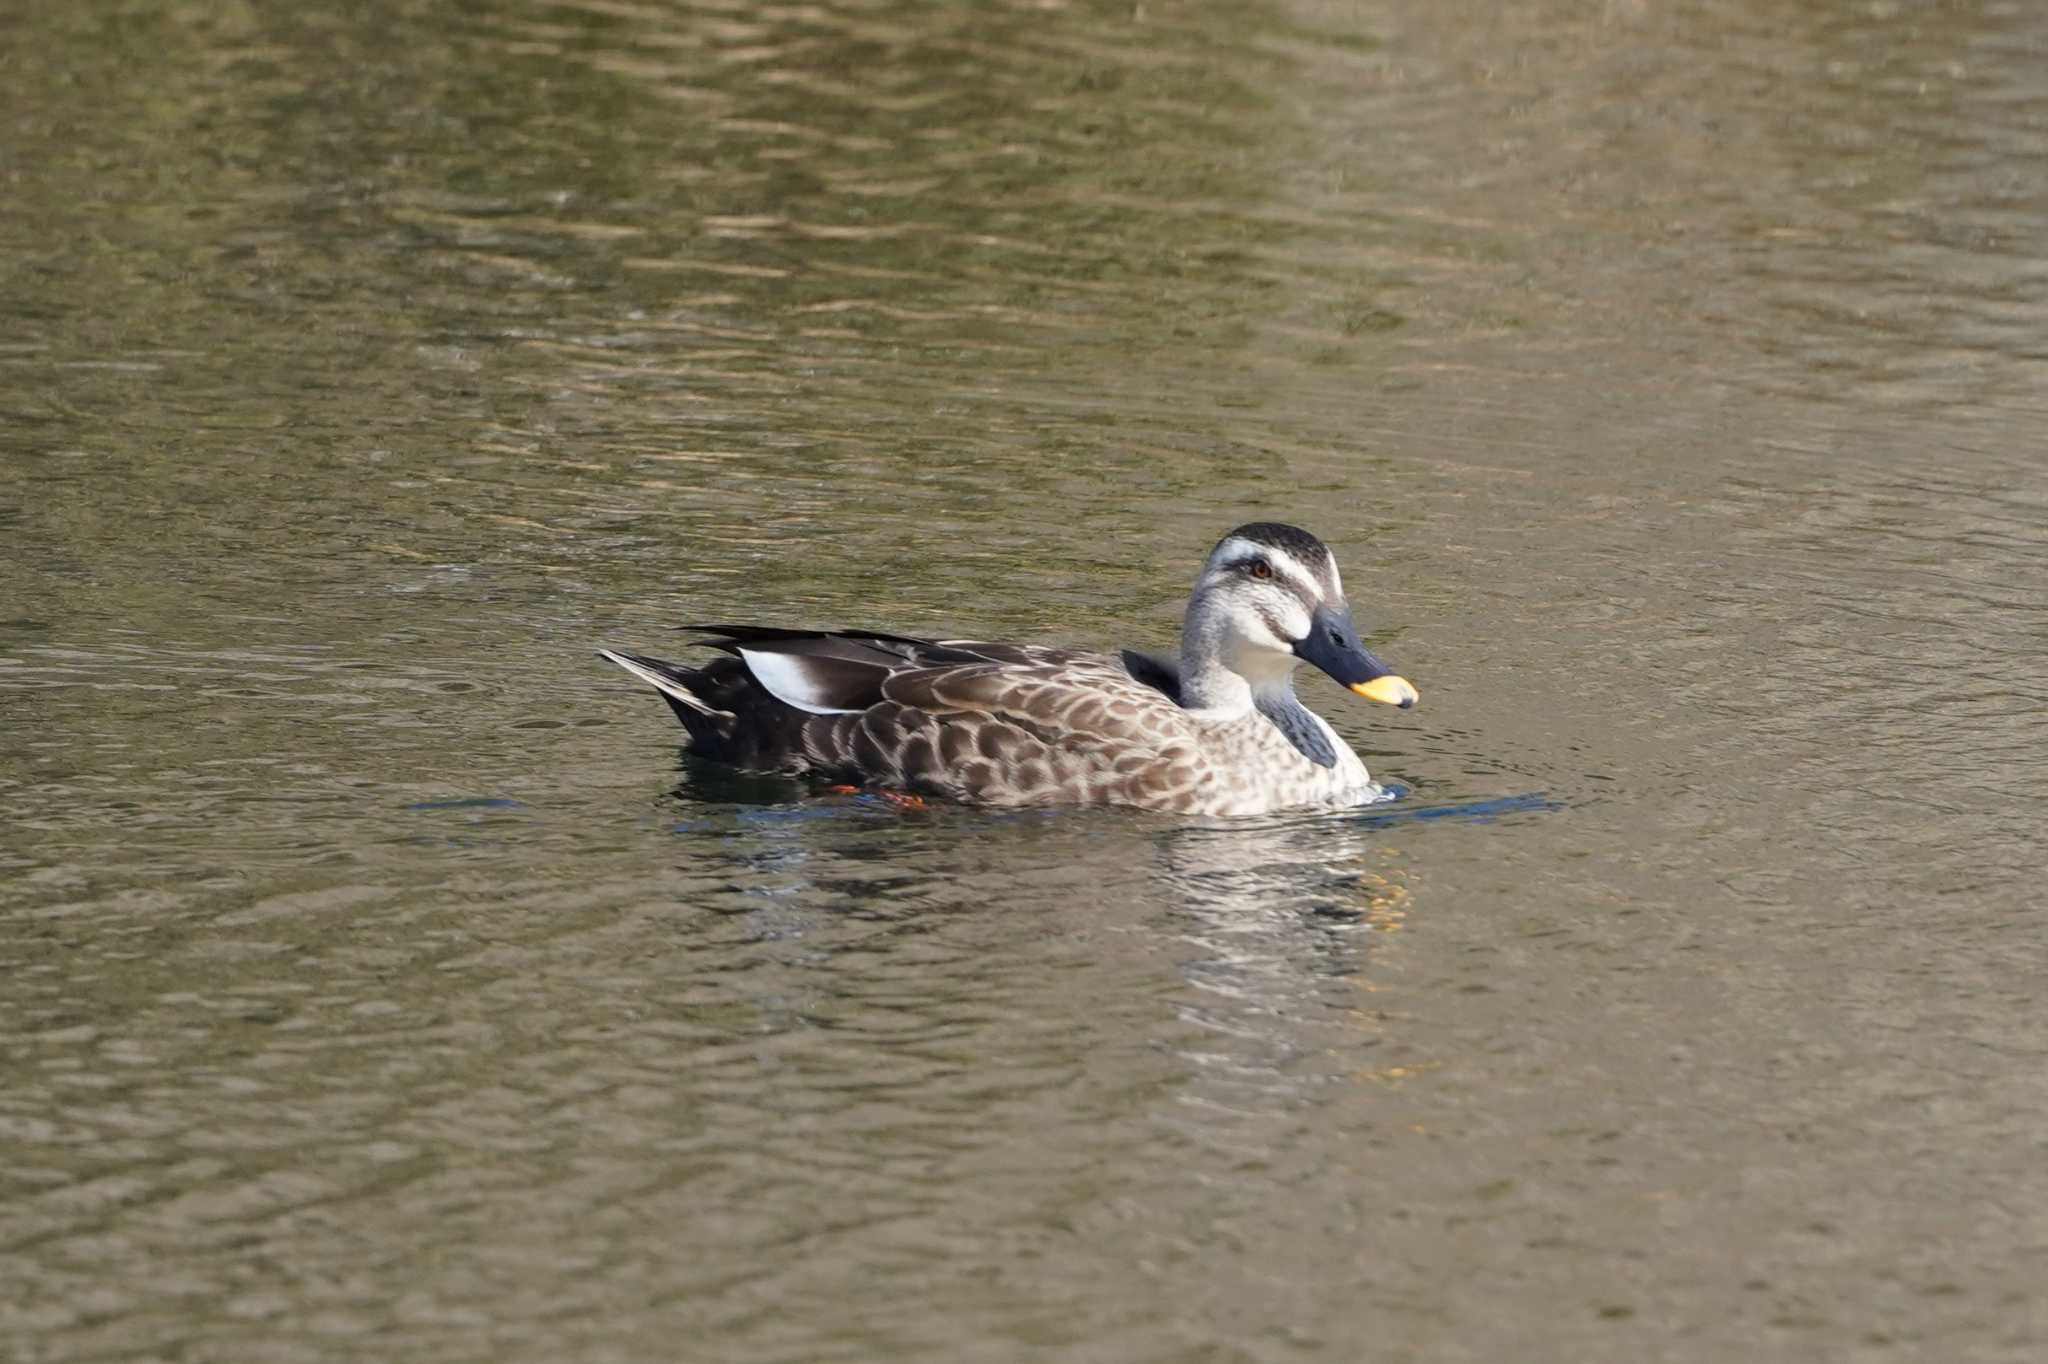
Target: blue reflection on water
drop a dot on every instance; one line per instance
(1475, 811)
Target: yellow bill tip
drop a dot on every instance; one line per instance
(1389, 690)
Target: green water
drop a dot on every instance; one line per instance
(380, 984)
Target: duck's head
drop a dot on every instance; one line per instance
(1268, 600)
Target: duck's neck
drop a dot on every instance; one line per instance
(1223, 694)
(1209, 686)
(1213, 679)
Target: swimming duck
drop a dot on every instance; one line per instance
(1217, 731)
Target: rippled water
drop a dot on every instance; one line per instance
(381, 984)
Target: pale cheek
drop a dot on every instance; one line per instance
(1293, 619)
(1268, 655)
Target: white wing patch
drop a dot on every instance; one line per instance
(785, 679)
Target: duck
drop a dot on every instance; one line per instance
(1215, 731)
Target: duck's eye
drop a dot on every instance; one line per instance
(1259, 569)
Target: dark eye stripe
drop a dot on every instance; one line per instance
(1308, 594)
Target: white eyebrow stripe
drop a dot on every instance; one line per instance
(1295, 569)
(1236, 548)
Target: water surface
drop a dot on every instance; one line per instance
(381, 982)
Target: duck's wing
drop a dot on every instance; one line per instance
(1079, 698)
(1004, 723)
(825, 671)
(1045, 726)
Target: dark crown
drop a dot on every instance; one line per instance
(1292, 539)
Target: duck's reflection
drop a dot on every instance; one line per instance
(1330, 871)
(1287, 929)
(1233, 970)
